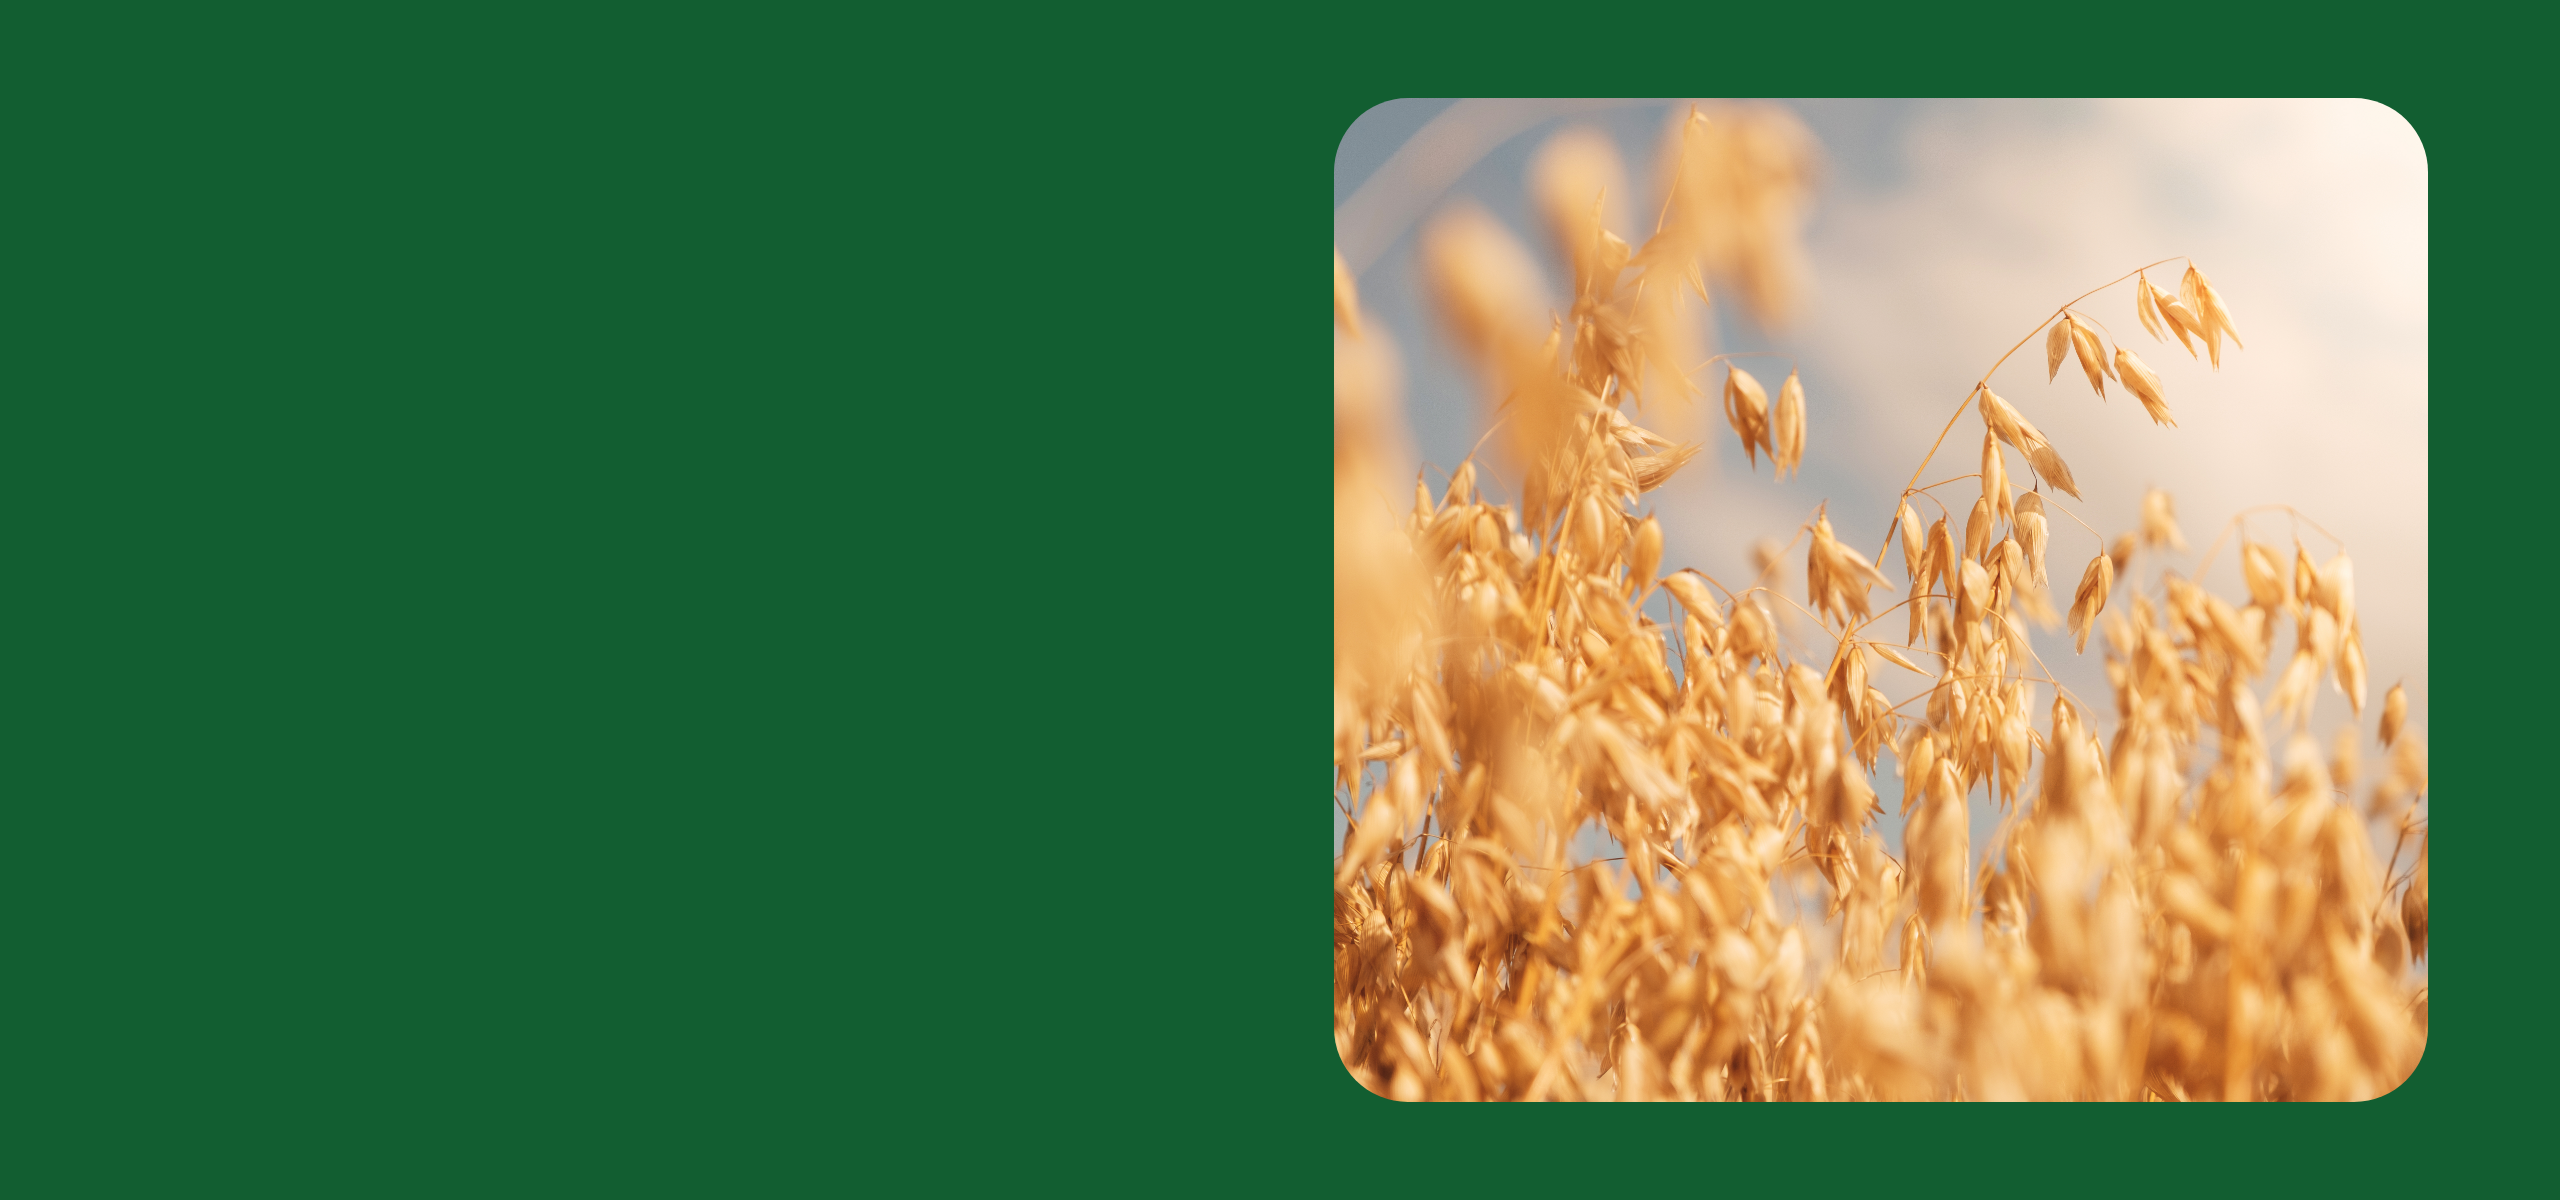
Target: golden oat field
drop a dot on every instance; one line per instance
(2185, 894)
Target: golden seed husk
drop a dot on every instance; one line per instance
(2145, 386)
(1746, 407)
(2160, 521)
(1914, 543)
(1786, 427)
(2093, 357)
(2145, 308)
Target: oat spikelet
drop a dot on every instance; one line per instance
(1995, 478)
(2395, 712)
(2205, 305)
(1691, 592)
(2269, 587)
(1786, 427)
(1942, 554)
(1997, 416)
(1654, 470)
(2096, 581)
(2182, 322)
(2145, 386)
(1914, 543)
(2056, 344)
(1837, 578)
(2093, 357)
(2350, 676)
(1645, 558)
(2003, 419)
(2160, 521)
(2032, 534)
(1746, 406)
(2337, 583)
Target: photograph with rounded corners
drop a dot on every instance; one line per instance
(1752, 682)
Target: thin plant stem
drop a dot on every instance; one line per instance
(1984, 384)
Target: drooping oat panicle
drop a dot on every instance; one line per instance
(1490, 294)
(1740, 178)
(2145, 386)
(1574, 176)
(1631, 338)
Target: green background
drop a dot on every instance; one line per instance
(621, 603)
